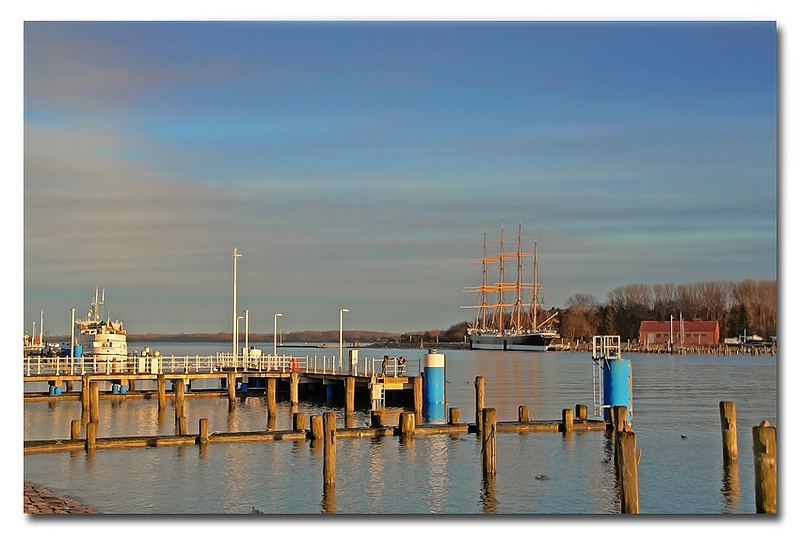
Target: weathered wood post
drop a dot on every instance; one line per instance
(455, 416)
(489, 441)
(202, 437)
(329, 449)
(376, 418)
(178, 388)
(479, 396)
(407, 424)
(581, 413)
(298, 421)
(85, 398)
(727, 420)
(618, 415)
(162, 392)
(765, 460)
(522, 414)
(628, 473)
(182, 426)
(294, 388)
(94, 402)
(418, 395)
(349, 395)
(231, 378)
(317, 430)
(75, 430)
(91, 435)
(272, 405)
(566, 420)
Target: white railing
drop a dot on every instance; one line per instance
(151, 364)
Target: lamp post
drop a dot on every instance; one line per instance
(341, 320)
(247, 332)
(235, 343)
(670, 333)
(236, 358)
(72, 343)
(275, 335)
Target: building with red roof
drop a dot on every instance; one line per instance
(679, 332)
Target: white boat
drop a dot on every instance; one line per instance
(505, 323)
(101, 339)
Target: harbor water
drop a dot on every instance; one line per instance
(675, 417)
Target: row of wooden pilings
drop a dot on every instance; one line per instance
(626, 457)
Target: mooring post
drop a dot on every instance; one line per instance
(727, 420)
(765, 460)
(182, 427)
(85, 398)
(75, 430)
(162, 392)
(349, 395)
(91, 435)
(418, 392)
(272, 405)
(522, 414)
(94, 402)
(316, 428)
(628, 473)
(407, 424)
(455, 416)
(581, 414)
(566, 420)
(376, 418)
(479, 389)
(202, 437)
(178, 387)
(329, 449)
(294, 388)
(298, 421)
(489, 441)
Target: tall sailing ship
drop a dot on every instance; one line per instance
(101, 339)
(508, 311)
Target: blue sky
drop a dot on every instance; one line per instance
(357, 165)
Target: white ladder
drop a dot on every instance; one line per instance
(604, 348)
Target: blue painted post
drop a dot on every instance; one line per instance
(433, 378)
(617, 385)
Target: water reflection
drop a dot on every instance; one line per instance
(329, 499)
(489, 503)
(730, 487)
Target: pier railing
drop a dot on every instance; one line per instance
(220, 362)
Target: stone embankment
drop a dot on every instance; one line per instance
(40, 500)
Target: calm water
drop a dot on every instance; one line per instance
(672, 396)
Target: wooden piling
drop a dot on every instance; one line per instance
(94, 401)
(455, 416)
(202, 437)
(407, 424)
(489, 441)
(298, 421)
(178, 388)
(85, 398)
(566, 420)
(272, 405)
(417, 384)
(75, 430)
(522, 414)
(628, 473)
(581, 413)
(727, 419)
(479, 398)
(182, 426)
(294, 388)
(162, 392)
(765, 461)
(91, 436)
(329, 449)
(349, 395)
(231, 378)
(316, 428)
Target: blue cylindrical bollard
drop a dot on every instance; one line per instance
(433, 378)
(617, 385)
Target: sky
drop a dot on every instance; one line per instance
(357, 164)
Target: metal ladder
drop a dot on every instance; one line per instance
(377, 392)
(604, 348)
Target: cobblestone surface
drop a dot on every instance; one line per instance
(40, 500)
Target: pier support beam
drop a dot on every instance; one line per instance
(329, 449)
(231, 378)
(162, 392)
(479, 398)
(523, 414)
(179, 398)
(418, 396)
(94, 402)
(294, 385)
(85, 398)
(272, 405)
(349, 395)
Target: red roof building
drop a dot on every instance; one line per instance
(694, 332)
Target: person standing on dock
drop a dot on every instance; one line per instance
(385, 364)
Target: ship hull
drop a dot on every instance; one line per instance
(103, 346)
(517, 342)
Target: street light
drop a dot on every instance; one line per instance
(341, 319)
(235, 321)
(275, 335)
(247, 332)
